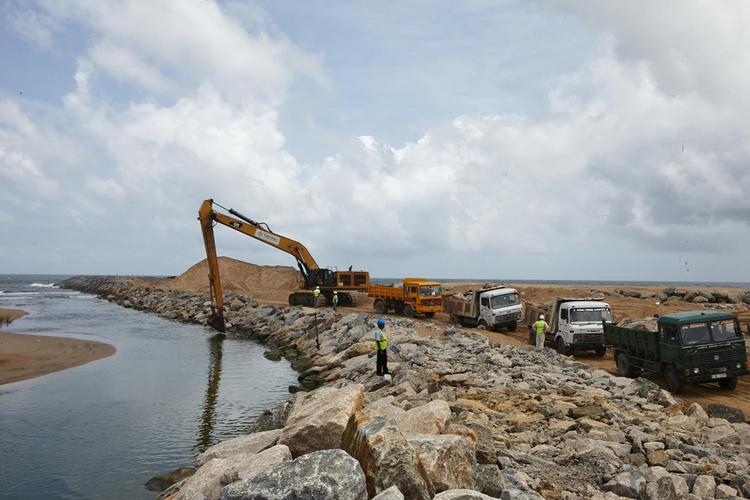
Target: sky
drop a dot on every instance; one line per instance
(536, 139)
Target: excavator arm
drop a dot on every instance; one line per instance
(258, 230)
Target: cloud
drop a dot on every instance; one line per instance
(32, 26)
(623, 151)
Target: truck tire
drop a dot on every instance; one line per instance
(623, 366)
(561, 347)
(600, 351)
(728, 383)
(429, 314)
(512, 327)
(380, 307)
(674, 382)
(483, 325)
(408, 311)
(532, 337)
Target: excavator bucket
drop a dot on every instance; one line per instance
(216, 321)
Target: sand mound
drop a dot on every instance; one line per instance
(271, 283)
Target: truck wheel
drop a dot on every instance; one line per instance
(512, 327)
(623, 365)
(483, 325)
(674, 383)
(561, 347)
(728, 383)
(380, 307)
(532, 337)
(601, 351)
(408, 311)
(429, 314)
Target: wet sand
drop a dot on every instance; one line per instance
(27, 356)
(8, 315)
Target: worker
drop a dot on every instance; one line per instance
(381, 343)
(540, 328)
(350, 268)
(316, 296)
(335, 301)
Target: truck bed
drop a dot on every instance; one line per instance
(391, 292)
(460, 305)
(642, 344)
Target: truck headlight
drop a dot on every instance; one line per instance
(696, 370)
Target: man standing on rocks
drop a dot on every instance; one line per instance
(381, 343)
(316, 296)
(335, 301)
(540, 328)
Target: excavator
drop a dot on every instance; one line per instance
(312, 275)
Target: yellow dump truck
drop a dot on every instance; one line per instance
(412, 296)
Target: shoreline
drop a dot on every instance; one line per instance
(24, 356)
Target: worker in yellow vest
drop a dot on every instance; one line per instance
(335, 302)
(540, 328)
(381, 343)
(316, 296)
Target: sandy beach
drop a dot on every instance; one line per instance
(25, 356)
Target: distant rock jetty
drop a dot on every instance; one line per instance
(461, 418)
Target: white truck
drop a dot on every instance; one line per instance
(574, 324)
(493, 308)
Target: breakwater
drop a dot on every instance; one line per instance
(461, 418)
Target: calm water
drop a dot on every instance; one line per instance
(101, 430)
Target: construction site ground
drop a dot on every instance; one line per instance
(272, 284)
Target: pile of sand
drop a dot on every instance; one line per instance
(268, 283)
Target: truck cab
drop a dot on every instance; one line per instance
(499, 308)
(702, 346)
(580, 325)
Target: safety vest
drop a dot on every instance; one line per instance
(316, 292)
(539, 327)
(383, 343)
(335, 299)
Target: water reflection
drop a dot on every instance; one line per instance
(212, 393)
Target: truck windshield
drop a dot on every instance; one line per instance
(498, 301)
(590, 315)
(724, 330)
(430, 290)
(695, 334)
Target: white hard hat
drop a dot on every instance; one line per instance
(335, 293)
(317, 288)
(541, 316)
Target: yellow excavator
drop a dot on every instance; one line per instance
(313, 275)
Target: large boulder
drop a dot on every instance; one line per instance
(329, 474)
(430, 418)
(244, 466)
(627, 484)
(392, 493)
(252, 443)
(385, 456)
(317, 419)
(728, 413)
(448, 460)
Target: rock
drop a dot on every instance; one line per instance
(329, 474)
(627, 484)
(236, 304)
(661, 489)
(252, 443)
(243, 466)
(725, 491)
(430, 418)
(386, 457)
(163, 481)
(657, 457)
(392, 493)
(704, 486)
(591, 412)
(448, 460)
(700, 299)
(461, 495)
(728, 413)
(722, 435)
(489, 480)
(204, 484)
(317, 419)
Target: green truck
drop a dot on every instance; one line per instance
(690, 347)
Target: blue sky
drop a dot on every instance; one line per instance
(553, 139)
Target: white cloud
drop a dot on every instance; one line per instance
(626, 149)
(31, 26)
